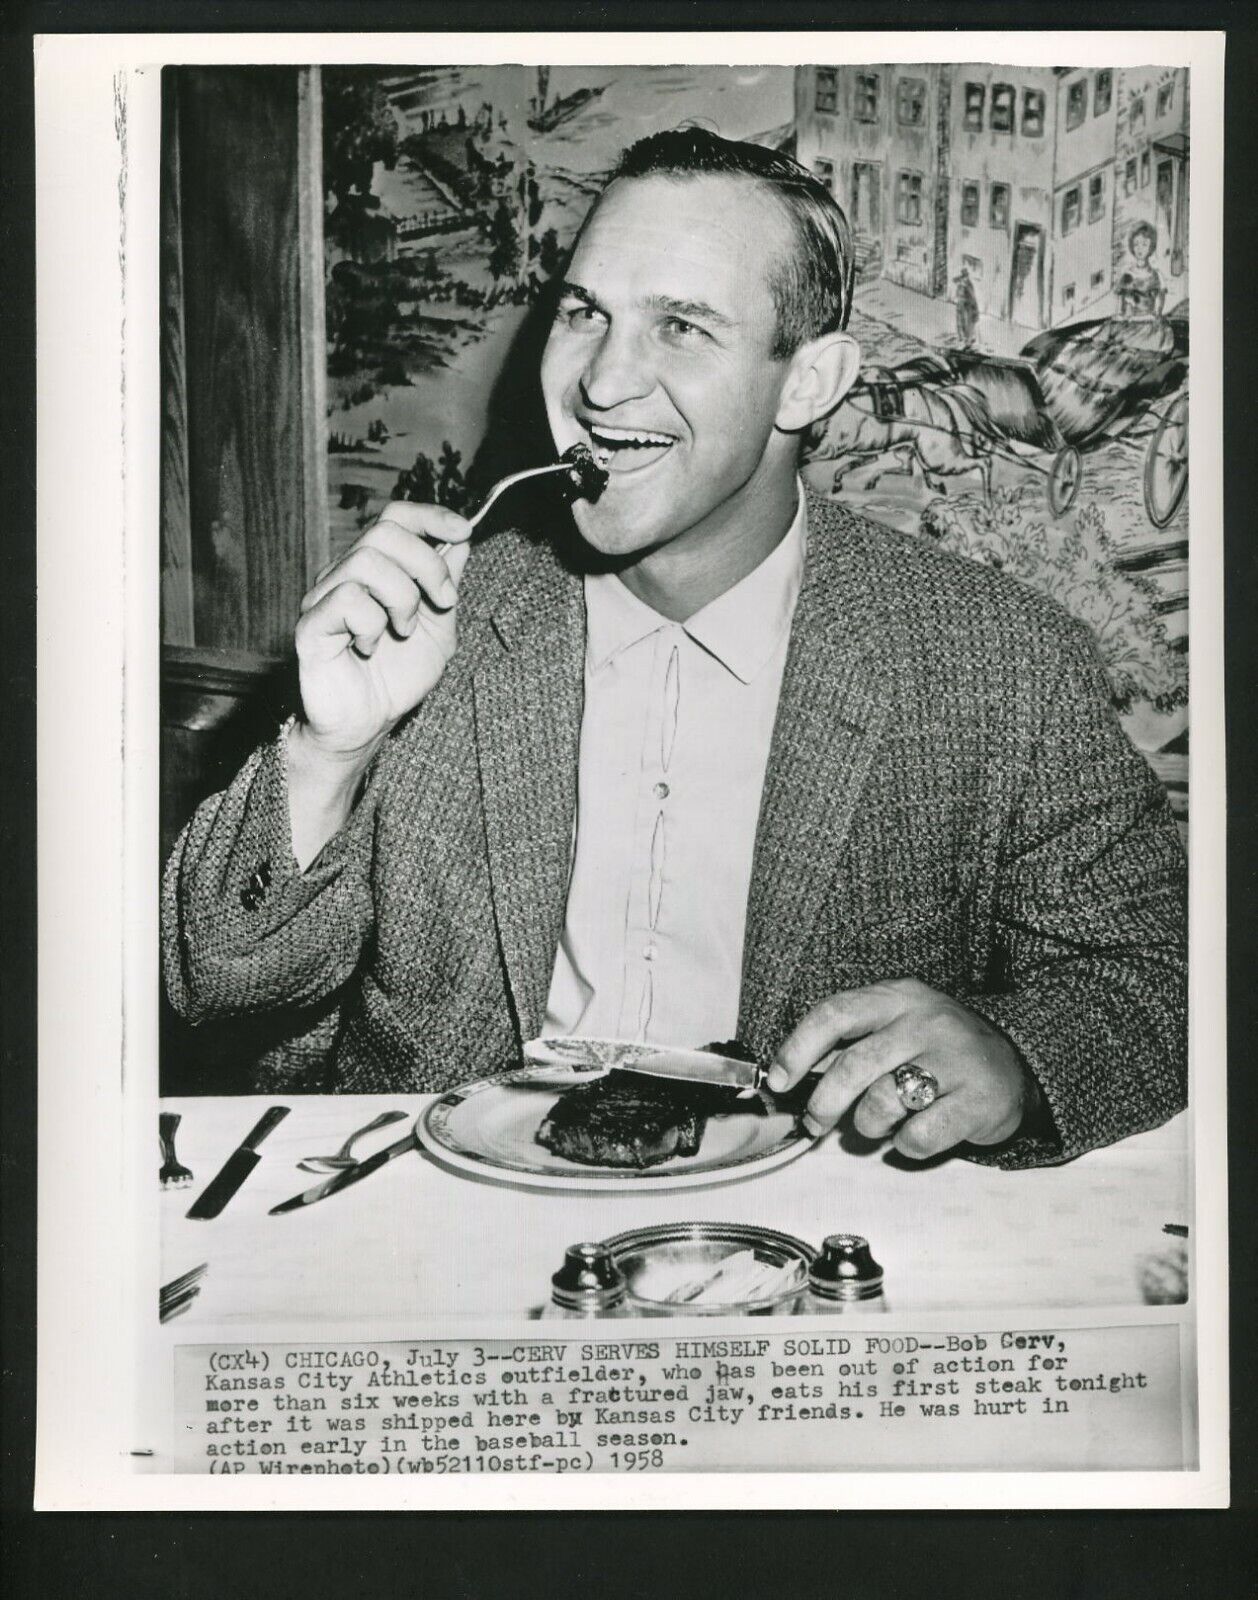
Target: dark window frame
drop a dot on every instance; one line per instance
(1000, 198)
(829, 93)
(865, 97)
(975, 102)
(1076, 103)
(1004, 106)
(971, 202)
(1071, 201)
(1096, 196)
(1034, 109)
(916, 90)
(1104, 81)
(910, 194)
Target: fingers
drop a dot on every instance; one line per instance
(879, 1109)
(432, 522)
(395, 568)
(346, 610)
(846, 1015)
(394, 589)
(938, 1128)
(858, 1067)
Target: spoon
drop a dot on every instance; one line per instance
(343, 1158)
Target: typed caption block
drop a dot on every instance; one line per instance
(1103, 1398)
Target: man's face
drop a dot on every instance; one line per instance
(660, 358)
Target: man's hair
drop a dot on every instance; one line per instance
(812, 285)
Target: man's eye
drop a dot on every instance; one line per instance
(683, 332)
(579, 315)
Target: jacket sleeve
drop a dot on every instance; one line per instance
(1090, 916)
(243, 930)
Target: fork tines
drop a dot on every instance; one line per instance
(179, 1294)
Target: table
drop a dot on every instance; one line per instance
(417, 1240)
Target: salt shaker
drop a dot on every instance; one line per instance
(844, 1275)
(589, 1284)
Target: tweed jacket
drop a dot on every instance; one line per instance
(949, 796)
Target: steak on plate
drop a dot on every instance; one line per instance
(625, 1120)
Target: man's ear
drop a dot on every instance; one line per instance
(820, 374)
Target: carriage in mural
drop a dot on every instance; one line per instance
(1071, 390)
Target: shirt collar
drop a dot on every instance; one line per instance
(741, 628)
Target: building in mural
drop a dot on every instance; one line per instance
(1151, 175)
(1032, 180)
(1083, 192)
(1011, 189)
(877, 136)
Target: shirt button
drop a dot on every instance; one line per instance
(661, 791)
(650, 952)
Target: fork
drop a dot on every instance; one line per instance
(175, 1298)
(343, 1158)
(173, 1174)
(586, 473)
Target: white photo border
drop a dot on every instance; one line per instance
(97, 157)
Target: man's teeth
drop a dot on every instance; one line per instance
(608, 439)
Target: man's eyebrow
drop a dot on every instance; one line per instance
(578, 293)
(691, 310)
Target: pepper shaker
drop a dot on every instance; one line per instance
(589, 1284)
(844, 1274)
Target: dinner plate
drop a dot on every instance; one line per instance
(489, 1129)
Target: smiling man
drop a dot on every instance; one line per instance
(756, 769)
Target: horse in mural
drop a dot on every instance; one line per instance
(917, 416)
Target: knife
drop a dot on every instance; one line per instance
(235, 1169)
(342, 1180)
(697, 1066)
(690, 1066)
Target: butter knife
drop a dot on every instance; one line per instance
(236, 1168)
(342, 1180)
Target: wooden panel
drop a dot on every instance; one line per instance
(242, 281)
(314, 333)
(217, 706)
(176, 523)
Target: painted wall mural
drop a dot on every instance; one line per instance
(1021, 306)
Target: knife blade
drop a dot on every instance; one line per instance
(236, 1168)
(697, 1066)
(342, 1180)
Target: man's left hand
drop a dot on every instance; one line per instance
(858, 1038)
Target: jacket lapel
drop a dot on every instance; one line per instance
(830, 716)
(528, 696)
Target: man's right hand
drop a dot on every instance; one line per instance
(376, 632)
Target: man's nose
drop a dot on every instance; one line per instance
(618, 369)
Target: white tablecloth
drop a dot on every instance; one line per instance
(416, 1240)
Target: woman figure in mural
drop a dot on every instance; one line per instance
(967, 309)
(1140, 290)
(1085, 368)
(1138, 330)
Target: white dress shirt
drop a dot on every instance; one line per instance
(674, 744)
